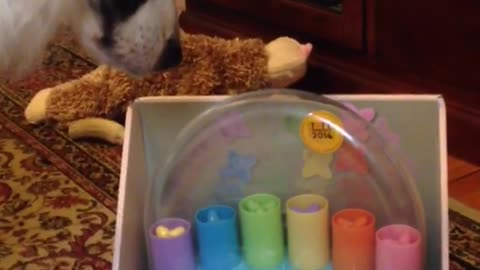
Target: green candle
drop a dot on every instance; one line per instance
(262, 232)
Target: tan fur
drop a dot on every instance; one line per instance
(210, 66)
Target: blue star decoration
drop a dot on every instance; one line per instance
(239, 167)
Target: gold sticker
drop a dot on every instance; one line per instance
(320, 132)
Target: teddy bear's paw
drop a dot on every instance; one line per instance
(287, 60)
(97, 128)
(36, 110)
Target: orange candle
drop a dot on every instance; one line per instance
(353, 240)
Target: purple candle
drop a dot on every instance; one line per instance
(171, 246)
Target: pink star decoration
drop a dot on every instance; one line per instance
(233, 126)
(354, 127)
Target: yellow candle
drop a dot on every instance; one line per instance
(308, 236)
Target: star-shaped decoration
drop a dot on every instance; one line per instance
(233, 126)
(366, 113)
(390, 137)
(351, 159)
(355, 127)
(316, 164)
(238, 167)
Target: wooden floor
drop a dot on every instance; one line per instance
(464, 182)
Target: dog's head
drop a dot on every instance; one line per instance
(137, 36)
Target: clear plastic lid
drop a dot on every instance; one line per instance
(289, 145)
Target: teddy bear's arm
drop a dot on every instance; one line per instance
(247, 64)
(61, 102)
(102, 92)
(236, 65)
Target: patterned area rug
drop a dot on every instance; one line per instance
(58, 197)
(464, 236)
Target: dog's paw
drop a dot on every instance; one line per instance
(36, 110)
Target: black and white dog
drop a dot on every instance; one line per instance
(136, 36)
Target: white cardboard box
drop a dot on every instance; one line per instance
(153, 123)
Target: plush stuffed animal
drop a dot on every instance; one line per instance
(89, 106)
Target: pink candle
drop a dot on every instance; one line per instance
(398, 248)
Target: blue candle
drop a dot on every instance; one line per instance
(217, 238)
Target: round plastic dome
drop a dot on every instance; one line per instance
(283, 179)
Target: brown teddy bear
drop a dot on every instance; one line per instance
(89, 106)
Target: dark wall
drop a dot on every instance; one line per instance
(437, 40)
